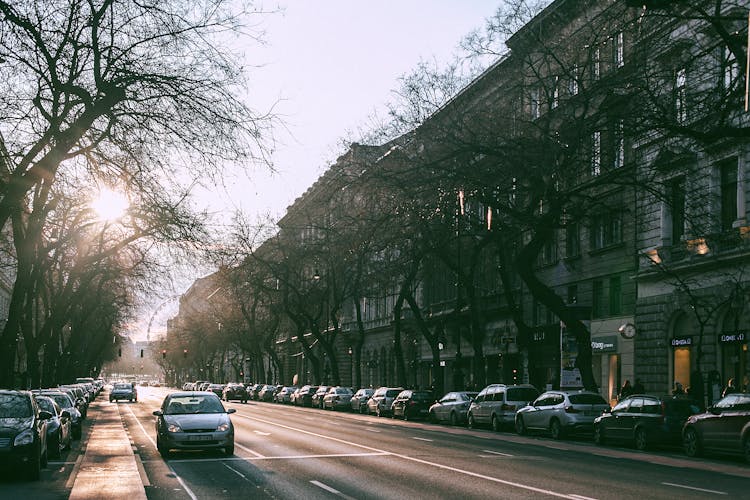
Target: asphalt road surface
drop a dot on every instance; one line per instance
(288, 452)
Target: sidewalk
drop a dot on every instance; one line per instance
(109, 468)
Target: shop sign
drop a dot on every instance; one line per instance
(604, 344)
(682, 341)
(731, 338)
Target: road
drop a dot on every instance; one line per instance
(289, 452)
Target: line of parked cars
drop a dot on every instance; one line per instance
(38, 425)
(640, 420)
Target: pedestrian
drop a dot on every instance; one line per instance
(730, 388)
(678, 389)
(638, 387)
(625, 391)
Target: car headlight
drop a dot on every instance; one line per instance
(174, 428)
(26, 437)
(223, 427)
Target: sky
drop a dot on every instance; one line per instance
(327, 65)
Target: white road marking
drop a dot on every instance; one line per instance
(581, 497)
(497, 453)
(413, 459)
(234, 470)
(262, 433)
(329, 489)
(177, 476)
(423, 439)
(695, 489)
(373, 430)
(252, 452)
(280, 457)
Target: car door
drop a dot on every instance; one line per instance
(615, 424)
(533, 415)
(442, 410)
(714, 425)
(731, 422)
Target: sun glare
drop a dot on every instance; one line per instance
(110, 205)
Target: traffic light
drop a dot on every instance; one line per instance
(141, 352)
(164, 354)
(119, 352)
(184, 353)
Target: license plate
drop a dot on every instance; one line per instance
(202, 437)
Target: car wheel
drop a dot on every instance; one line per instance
(77, 433)
(34, 467)
(520, 426)
(746, 449)
(163, 450)
(641, 440)
(229, 450)
(431, 417)
(691, 443)
(377, 412)
(496, 426)
(54, 446)
(44, 460)
(471, 422)
(599, 435)
(555, 429)
(406, 415)
(454, 419)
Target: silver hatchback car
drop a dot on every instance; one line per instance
(561, 412)
(497, 404)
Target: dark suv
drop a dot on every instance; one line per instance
(23, 432)
(645, 420)
(724, 428)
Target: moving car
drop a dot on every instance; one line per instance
(644, 420)
(452, 408)
(122, 391)
(194, 421)
(23, 432)
(411, 404)
(59, 434)
(217, 389)
(724, 428)
(561, 412)
(497, 404)
(235, 391)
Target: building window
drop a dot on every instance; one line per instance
(681, 95)
(728, 174)
(549, 252)
(572, 294)
(615, 295)
(573, 82)
(556, 93)
(596, 154)
(597, 299)
(535, 103)
(731, 69)
(605, 230)
(677, 209)
(618, 54)
(619, 144)
(573, 240)
(597, 64)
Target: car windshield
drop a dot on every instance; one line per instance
(421, 396)
(46, 405)
(119, 387)
(62, 399)
(343, 390)
(14, 406)
(179, 405)
(587, 399)
(522, 394)
(393, 393)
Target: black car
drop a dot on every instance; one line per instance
(305, 394)
(122, 391)
(235, 391)
(59, 434)
(23, 432)
(645, 420)
(193, 421)
(411, 404)
(66, 403)
(724, 428)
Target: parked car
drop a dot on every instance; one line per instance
(724, 428)
(23, 432)
(645, 420)
(317, 398)
(66, 403)
(194, 421)
(266, 393)
(359, 400)
(217, 389)
(382, 399)
(59, 434)
(452, 408)
(561, 412)
(410, 404)
(122, 391)
(253, 391)
(338, 398)
(285, 394)
(234, 391)
(497, 404)
(305, 394)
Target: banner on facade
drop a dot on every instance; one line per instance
(570, 376)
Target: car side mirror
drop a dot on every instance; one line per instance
(231, 410)
(158, 413)
(45, 415)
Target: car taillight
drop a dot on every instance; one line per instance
(570, 409)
